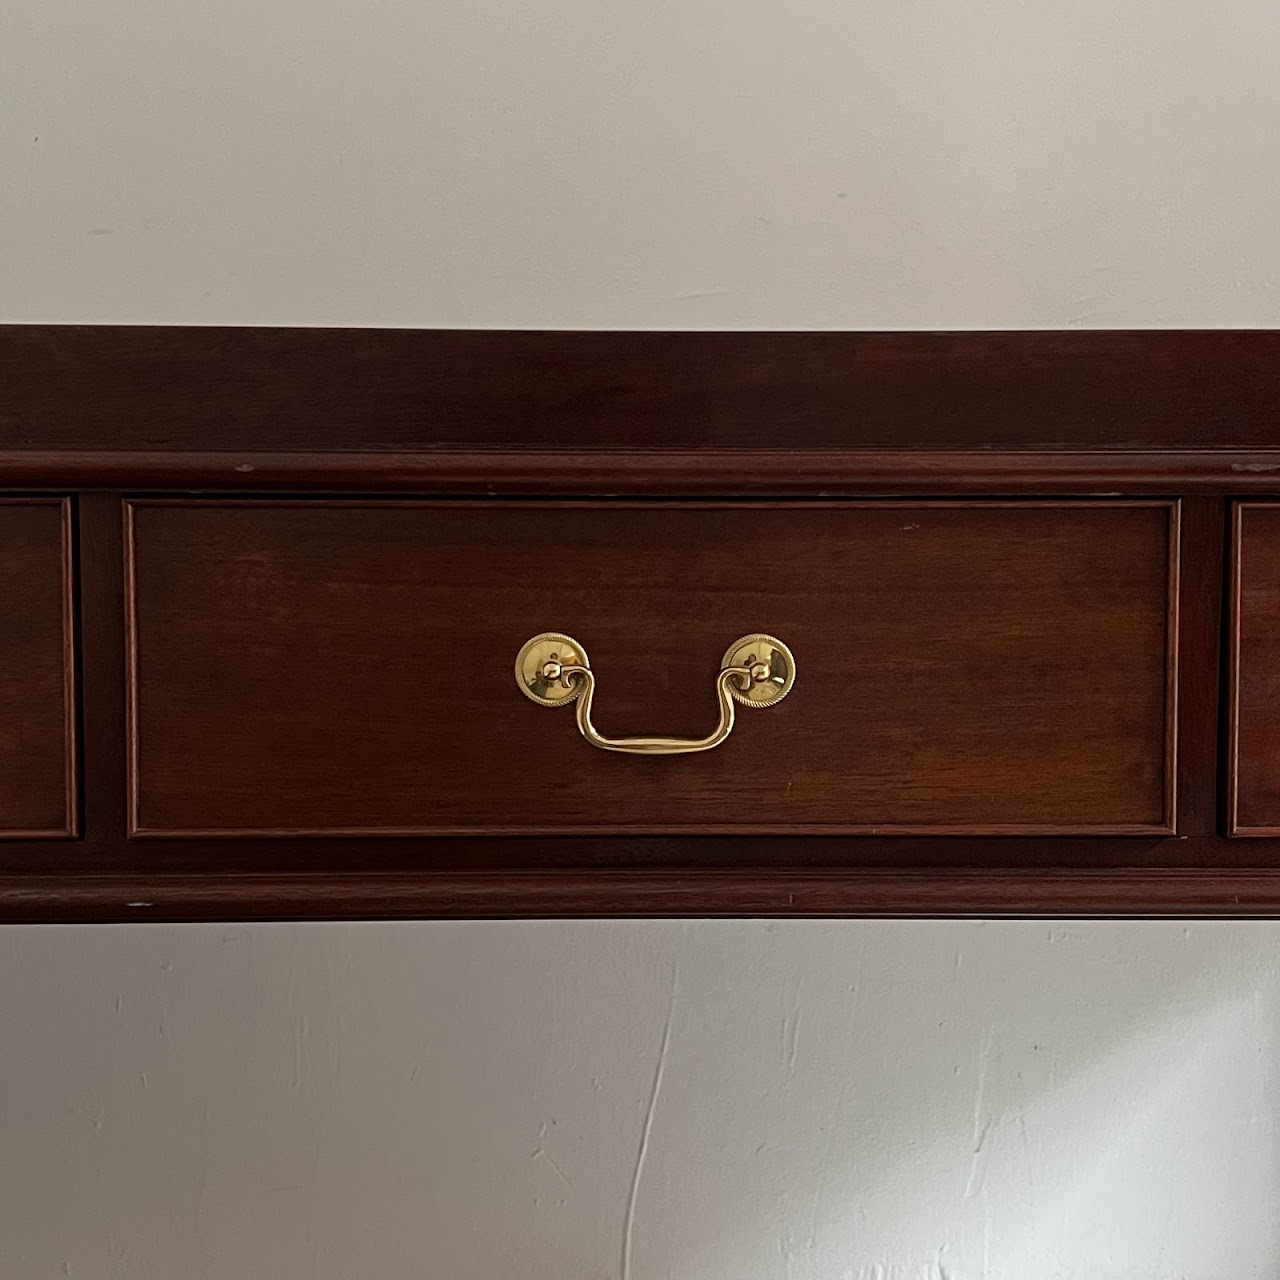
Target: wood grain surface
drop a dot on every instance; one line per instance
(1237, 893)
(1253, 781)
(37, 678)
(341, 667)
(306, 390)
(296, 702)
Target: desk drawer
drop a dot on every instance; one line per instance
(37, 738)
(316, 667)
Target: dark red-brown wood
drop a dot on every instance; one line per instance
(1253, 769)
(342, 667)
(37, 671)
(683, 472)
(558, 413)
(369, 390)
(304, 895)
(114, 414)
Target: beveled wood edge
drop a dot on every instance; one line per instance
(1172, 671)
(1235, 828)
(1232, 780)
(1012, 829)
(605, 502)
(70, 830)
(69, 692)
(1120, 893)
(135, 830)
(130, 605)
(656, 472)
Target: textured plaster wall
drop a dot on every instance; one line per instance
(641, 163)
(641, 1101)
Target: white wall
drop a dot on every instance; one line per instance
(642, 163)
(836, 1101)
(644, 1101)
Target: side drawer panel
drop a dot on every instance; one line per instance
(37, 671)
(1253, 731)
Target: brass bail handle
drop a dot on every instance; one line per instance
(553, 670)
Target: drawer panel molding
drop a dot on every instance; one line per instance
(342, 667)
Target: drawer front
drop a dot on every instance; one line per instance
(37, 737)
(327, 667)
(1253, 784)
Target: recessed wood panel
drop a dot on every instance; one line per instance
(339, 667)
(37, 739)
(1253, 782)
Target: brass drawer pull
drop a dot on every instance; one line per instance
(756, 671)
